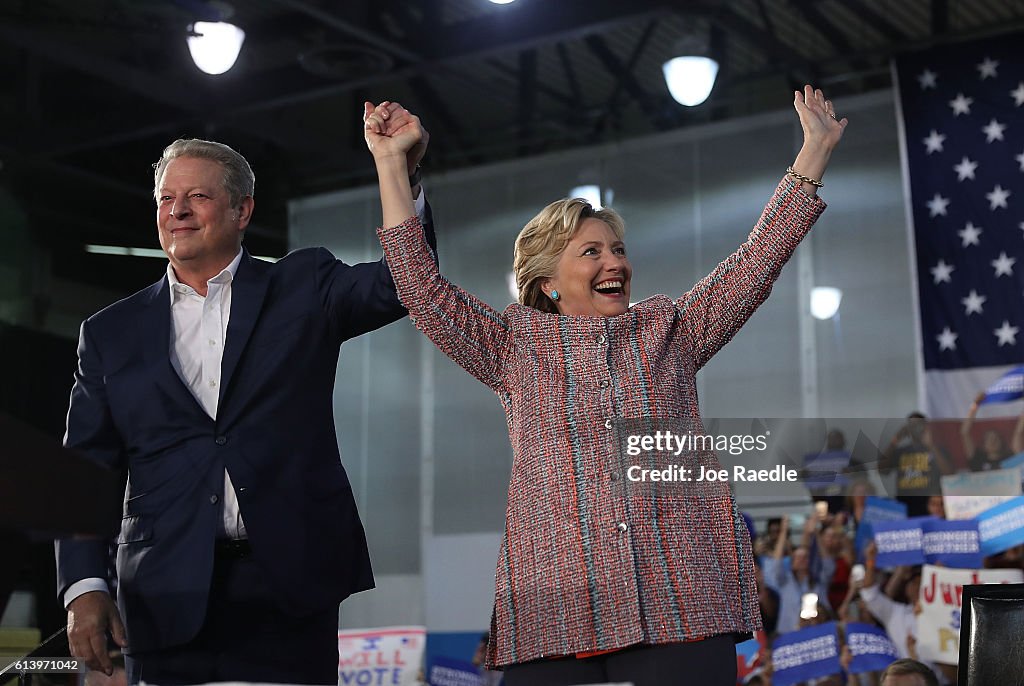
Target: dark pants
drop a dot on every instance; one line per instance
(711, 662)
(245, 637)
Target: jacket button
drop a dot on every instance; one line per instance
(623, 527)
(601, 338)
(214, 499)
(221, 440)
(608, 424)
(605, 383)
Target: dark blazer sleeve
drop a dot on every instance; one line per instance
(361, 298)
(91, 431)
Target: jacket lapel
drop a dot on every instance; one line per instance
(248, 288)
(156, 333)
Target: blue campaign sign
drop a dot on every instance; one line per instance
(1013, 461)
(1002, 527)
(900, 542)
(952, 544)
(871, 647)
(446, 671)
(877, 509)
(806, 654)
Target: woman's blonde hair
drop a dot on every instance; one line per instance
(542, 240)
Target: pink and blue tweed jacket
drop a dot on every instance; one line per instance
(588, 563)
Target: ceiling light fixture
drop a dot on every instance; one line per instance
(590, 192)
(215, 45)
(691, 75)
(825, 302)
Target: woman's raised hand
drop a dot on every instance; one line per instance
(391, 130)
(818, 118)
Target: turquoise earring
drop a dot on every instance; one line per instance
(554, 295)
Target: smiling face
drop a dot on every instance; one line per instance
(199, 227)
(593, 274)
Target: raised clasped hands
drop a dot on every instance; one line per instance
(818, 118)
(393, 131)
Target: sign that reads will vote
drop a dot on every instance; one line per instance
(389, 656)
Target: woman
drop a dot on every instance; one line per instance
(993, 449)
(596, 580)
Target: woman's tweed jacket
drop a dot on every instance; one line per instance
(588, 560)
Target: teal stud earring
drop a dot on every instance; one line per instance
(554, 295)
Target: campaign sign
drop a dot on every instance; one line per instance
(877, 509)
(1015, 461)
(389, 656)
(952, 544)
(446, 671)
(871, 648)
(806, 654)
(938, 625)
(1002, 527)
(900, 542)
(968, 494)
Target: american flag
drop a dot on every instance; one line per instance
(962, 113)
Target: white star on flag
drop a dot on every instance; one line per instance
(973, 302)
(1018, 94)
(927, 79)
(938, 205)
(997, 197)
(965, 170)
(1020, 158)
(969, 234)
(961, 104)
(1007, 334)
(993, 131)
(941, 271)
(988, 68)
(1003, 265)
(947, 339)
(934, 141)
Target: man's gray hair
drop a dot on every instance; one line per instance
(239, 181)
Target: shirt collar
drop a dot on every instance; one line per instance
(226, 275)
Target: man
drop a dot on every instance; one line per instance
(918, 462)
(212, 389)
(908, 673)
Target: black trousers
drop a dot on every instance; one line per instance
(245, 637)
(711, 662)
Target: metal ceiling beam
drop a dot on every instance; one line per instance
(192, 101)
(546, 23)
(878, 22)
(940, 17)
(527, 97)
(388, 45)
(611, 106)
(649, 104)
(570, 73)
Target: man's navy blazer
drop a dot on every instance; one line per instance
(274, 433)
